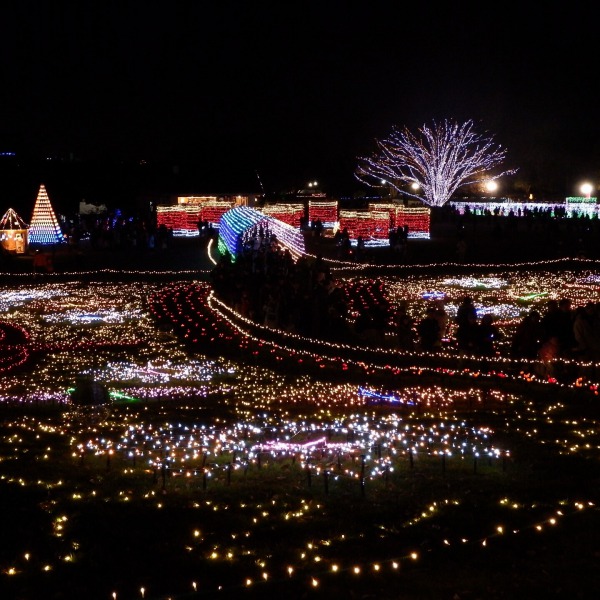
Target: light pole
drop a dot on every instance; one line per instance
(491, 186)
(586, 189)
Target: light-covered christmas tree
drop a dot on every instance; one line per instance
(44, 228)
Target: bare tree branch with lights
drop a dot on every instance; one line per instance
(436, 161)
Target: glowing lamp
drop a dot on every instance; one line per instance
(586, 189)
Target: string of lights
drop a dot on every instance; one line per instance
(437, 160)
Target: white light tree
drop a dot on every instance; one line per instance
(434, 163)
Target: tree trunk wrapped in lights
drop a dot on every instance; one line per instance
(433, 164)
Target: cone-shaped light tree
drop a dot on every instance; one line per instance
(433, 163)
(44, 227)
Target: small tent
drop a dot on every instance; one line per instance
(13, 233)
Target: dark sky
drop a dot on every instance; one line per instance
(297, 90)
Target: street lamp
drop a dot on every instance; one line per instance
(491, 186)
(586, 189)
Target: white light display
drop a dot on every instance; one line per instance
(11, 298)
(440, 159)
(476, 282)
(160, 371)
(504, 206)
(102, 316)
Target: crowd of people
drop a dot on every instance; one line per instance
(266, 285)
(118, 232)
(466, 333)
(560, 332)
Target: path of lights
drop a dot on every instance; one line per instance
(370, 360)
(339, 356)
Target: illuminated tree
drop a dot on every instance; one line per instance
(44, 228)
(433, 164)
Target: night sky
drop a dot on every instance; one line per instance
(297, 90)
